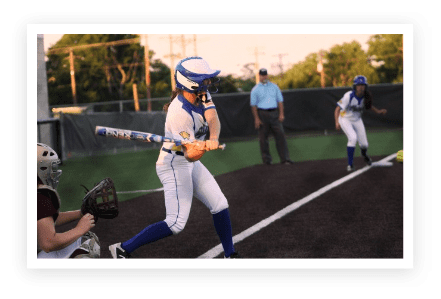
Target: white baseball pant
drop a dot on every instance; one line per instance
(182, 180)
(355, 131)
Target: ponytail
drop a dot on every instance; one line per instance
(368, 100)
(174, 94)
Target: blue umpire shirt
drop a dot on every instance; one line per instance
(266, 96)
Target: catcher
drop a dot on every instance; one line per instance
(191, 115)
(78, 242)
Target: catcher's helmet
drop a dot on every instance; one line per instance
(360, 80)
(47, 165)
(191, 72)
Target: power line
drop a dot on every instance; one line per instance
(280, 64)
(172, 57)
(106, 44)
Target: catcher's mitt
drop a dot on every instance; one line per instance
(101, 201)
(194, 151)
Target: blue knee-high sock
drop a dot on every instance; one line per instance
(351, 151)
(151, 233)
(222, 224)
(364, 152)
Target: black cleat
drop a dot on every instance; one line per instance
(234, 255)
(368, 160)
(350, 168)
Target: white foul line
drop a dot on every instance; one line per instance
(140, 191)
(215, 251)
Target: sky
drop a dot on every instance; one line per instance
(230, 52)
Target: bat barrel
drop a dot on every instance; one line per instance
(137, 136)
(100, 131)
(113, 132)
(130, 135)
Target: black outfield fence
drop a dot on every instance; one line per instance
(305, 110)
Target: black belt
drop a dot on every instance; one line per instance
(267, 109)
(170, 152)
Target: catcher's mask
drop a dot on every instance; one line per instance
(47, 165)
(194, 75)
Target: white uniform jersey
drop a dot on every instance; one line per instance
(185, 121)
(351, 106)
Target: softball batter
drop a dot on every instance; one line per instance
(191, 115)
(348, 114)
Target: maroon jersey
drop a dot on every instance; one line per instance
(47, 204)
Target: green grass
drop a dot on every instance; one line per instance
(136, 171)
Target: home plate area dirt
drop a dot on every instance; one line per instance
(361, 218)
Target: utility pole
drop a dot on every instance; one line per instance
(183, 45)
(181, 56)
(321, 69)
(172, 62)
(280, 65)
(144, 42)
(72, 77)
(256, 65)
(194, 43)
(172, 66)
(71, 57)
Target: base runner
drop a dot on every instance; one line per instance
(348, 114)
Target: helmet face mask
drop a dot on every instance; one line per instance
(47, 165)
(55, 173)
(194, 75)
(211, 85)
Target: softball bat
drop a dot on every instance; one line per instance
(139, 136)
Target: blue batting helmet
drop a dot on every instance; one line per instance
(191, 72)
(360, 80)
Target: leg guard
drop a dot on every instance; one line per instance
(89, 248)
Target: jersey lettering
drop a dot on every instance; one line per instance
(201, 132)
(351, 107)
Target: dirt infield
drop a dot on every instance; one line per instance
(362, 218)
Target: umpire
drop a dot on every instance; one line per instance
(267, 108)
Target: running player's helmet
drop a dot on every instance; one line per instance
(360, 80)
(47, 165)
(191, 72)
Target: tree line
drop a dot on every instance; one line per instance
(108, 73)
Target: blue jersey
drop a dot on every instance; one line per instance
(266, 96)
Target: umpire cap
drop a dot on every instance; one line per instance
(263, 72)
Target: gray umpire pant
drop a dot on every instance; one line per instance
(271, 123)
